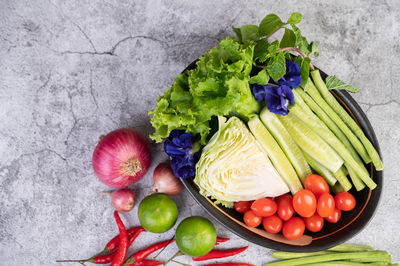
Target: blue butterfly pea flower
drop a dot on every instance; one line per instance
(183, 151)
(277, 97)
(292, 77)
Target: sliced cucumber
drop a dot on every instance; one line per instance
(321, 170)
(275, 153)
(329, 123)
(335, 143)
(341, 177)
(310, 142)
(300, 101)
(337, 188)
(288, 145)
(357, 182)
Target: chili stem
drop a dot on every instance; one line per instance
(181, 263)
(164, 248)
(177, 254)
(78, 261)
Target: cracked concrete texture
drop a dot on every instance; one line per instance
(73, 70)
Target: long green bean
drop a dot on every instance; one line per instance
(342, 178)
(372, 255)
(316, 96)
(345, 247)
(307, 103)
(310, 142)
(346, 263)
(321, 170)
(335, 143)
(293, 255)
(321, 86)
(357, 182)
(330, 123)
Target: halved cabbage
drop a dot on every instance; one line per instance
(234, 167)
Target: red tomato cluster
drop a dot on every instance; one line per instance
(314, 205)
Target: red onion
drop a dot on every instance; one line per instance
(121, 158)
(122, 199)
(165, 181)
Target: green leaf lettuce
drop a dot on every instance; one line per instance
(219, 85)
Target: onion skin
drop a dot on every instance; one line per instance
(121, 158)
(165, 181)
(123, 200)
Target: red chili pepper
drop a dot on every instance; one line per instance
(112, 245)
(103, 258)
(99, 259)
(221, 240)
(230, 264)
(108, 257)
(135, 235)
(120, 254)
(217, 253)
(147, 263)
(144, 253)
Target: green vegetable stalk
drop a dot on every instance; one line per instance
(341, 177)
(308, 103)
(328, 122)
(310, 142)
(320, 84)
(344, 254)
(286, 142)
(335, 143)
(321, 170)
(366, 255)
(313, 92)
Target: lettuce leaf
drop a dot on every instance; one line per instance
(219, 85)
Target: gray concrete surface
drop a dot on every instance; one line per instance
(72, 70)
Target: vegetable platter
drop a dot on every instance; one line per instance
(271, 146)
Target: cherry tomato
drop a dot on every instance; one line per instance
(272, 224)
(304, 203)
(294, 228)
(326, 205)
(242, 206)
(316, 184)
(314, 223)
(335, 217)
(252, 219)
(345, 201)
(264, 207)
(285, 207)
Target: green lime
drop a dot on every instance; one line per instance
(157, 213)
(195, 236)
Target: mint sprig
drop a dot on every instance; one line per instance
(271, 55)
(334, 83)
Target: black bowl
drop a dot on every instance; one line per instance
(331, 235)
